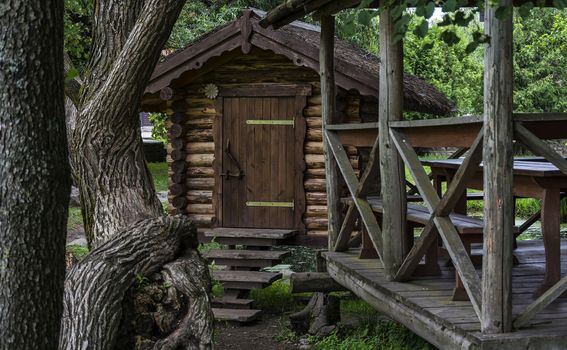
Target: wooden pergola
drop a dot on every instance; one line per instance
(489, 139)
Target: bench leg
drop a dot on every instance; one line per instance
(459, 292)
(367, 250)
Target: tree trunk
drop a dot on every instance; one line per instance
(124, 221)
(34, 174)
(139, 251)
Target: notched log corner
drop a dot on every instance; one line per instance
(146, 288)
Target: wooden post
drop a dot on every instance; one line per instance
(329, 116)
(498, 160)
(391, 166)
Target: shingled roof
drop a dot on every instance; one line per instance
(355, 68)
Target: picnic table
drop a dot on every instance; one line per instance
(533, 179)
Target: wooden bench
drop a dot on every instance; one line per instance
(470, 230)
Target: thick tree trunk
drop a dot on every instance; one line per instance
(116, 186)
(34, 174)
(124, 220)
(96, 286)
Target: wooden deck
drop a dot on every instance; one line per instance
(423, 304)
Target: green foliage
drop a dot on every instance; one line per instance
(74, 219)
(198, 18)
(275, 299)
(159, 132)
(77, 36)
(78, 251)
(540, 62)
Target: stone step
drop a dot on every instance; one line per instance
(245, 258)
(245, 279)
(236, 315)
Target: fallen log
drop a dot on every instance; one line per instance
(314, 282)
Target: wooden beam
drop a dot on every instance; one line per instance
(307, 282)
(446, 229)
(364, 209)
(329, 116)
(541, 303)
(539, 147)
(390, 108)
(446, 205)
(498, 182)
(346, 229)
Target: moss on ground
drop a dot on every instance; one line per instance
(78, 251)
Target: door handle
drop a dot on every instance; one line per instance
(240, 173)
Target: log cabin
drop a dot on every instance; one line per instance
(512, 293)
(244, 113)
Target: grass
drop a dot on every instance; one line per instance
(371, 331)
(75, 218)
(78, 251)
(159, 174)
(276, 299)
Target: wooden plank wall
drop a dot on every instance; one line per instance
(199, 142)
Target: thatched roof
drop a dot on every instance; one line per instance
(355, 68)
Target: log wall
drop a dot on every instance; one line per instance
(198, 145)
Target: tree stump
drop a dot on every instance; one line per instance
(319, 317)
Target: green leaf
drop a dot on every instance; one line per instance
(503, 12)
(427, 46)
(400, 26)
(422, 29)
(72, 74)
(525, 9)
(365, 18)
(450, 5)
(450, 37)
(398, 10)
(429, 9)
(447, 21)
(471, 47)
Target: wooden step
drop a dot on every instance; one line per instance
(232, 303)
(245, 279)
(245, 258)
(236, 315)
(249, 236)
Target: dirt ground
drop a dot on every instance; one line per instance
(258, 335)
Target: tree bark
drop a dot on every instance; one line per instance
(124, 221)
(34, 174)
(115, 184)
(93, 305)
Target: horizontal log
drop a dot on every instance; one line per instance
(314, 173)
(177, 189)
(318, 233)
(199, 135)
(316, 223)
(199, 209)
(315, 198)
(178, 178)
(210, 110)
(200, 183)
(200, 196)
(176, 118)
(200, 147)
(317, 148)
(314, 100)
(199, 123)
(179, 202)
(176, 130)
(179, 166)
(200, 172)
(198, 160)
(315, 185)
(316, 211)
(315, 160)
(314, 134)
(178, 154)
(176, 143)
(307, 282)
(201, 220)
(314, 122)
(312, 111)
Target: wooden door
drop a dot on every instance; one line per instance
(260, 179)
